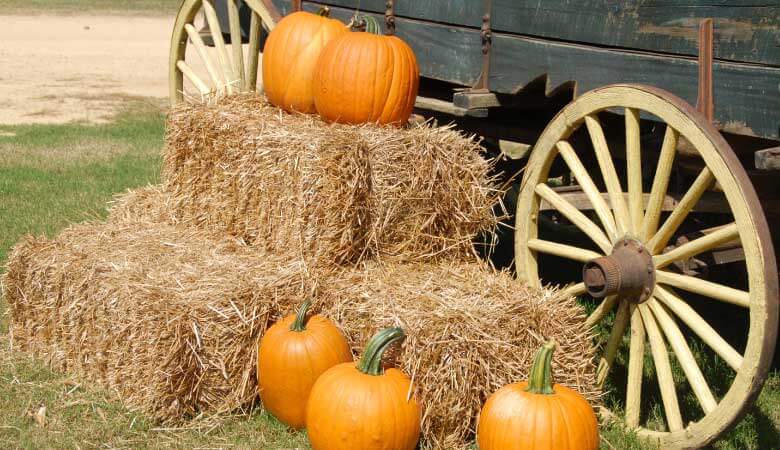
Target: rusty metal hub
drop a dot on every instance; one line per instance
(628, 273)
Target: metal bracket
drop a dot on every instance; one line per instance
(389, 18)
(705, 102)
(486, 34)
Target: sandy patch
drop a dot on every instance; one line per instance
(56, 69)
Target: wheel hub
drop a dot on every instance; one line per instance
(628, 273)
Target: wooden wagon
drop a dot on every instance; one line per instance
(650, 201)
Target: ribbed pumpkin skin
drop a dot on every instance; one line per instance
(362, 77)
(350, 410)
(513, 419)
(290, 57)
(289, 362)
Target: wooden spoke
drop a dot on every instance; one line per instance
(214, 74)
(707, 242)
(254, 51)
(699, 326)
(190, 75)
(269, 20)
(609, 174)
(602, 310)
(219, 43)
(677, 341)
(636, 361)
(573, 290)
(673, 222)
(562, 250)
(707, 288)
(634, 170)
(663, 173)
(581, 174)
(663, 370)
(235, 43)
(574, 215)
(613, 343)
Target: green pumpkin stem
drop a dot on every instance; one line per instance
(371, 360)
(366, 23)
(299, 324)
(324, 12)
(540, 378)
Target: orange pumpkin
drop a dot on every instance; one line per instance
(290, 56)
(537, 415)
(365, 77)
(363, 407)
(293, 353)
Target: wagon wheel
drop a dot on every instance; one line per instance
(630, 267)
(225, 68)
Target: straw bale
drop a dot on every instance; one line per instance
(337, 193)
(147, 203)
(470, 331)
(166, 317)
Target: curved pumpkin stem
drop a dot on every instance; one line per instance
(299, 324)
(365, 23)
(324, 12)
(371, 360)
(540, 378)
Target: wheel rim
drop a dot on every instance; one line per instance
(653, 323)
(225, 69)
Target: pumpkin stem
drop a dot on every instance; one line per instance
(365, 23)
(540, 378)
(299, 324)
(324, 12)
(371, 361)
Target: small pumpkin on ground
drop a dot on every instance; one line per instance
(537, 415)
(363, 406)
(293, 353)
(366, 77)
(290, 57)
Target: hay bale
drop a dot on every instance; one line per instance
(167, 317)
(470, 331)
(337, 193)
(148, 203)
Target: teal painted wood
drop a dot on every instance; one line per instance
(443, 52)
(745, 30)
(744, 93)
(455, 12)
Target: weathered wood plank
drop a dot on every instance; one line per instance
(443, 52)
(746, 94)
(745, 30)
(768, 159)
(456, 12)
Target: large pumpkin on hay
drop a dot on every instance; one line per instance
(366, 77)
(363, 406)
(290, 56)
(537, 415)
(293, 353)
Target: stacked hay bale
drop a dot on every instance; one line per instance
(260, 210)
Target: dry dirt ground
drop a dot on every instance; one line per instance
(56, 69)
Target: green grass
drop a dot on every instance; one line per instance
(134, 7)
(54, 175)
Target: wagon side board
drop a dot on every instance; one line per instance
(445, 37)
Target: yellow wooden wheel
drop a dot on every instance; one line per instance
(205, 73)
(653, 311)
